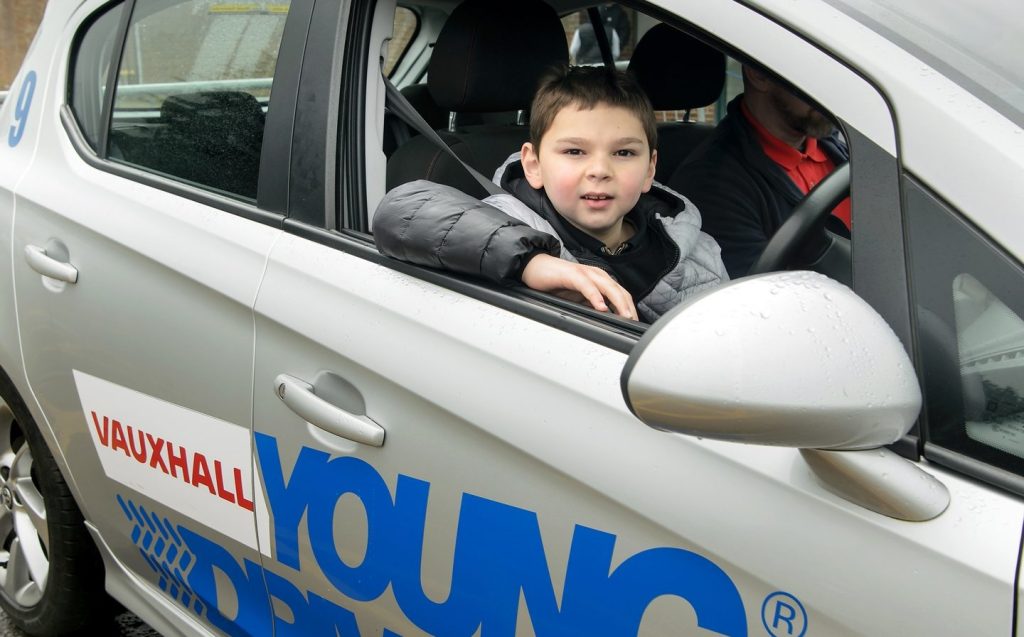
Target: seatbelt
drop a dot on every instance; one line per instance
(602, 37)
(408, 114)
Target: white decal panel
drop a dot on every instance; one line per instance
(193, 463)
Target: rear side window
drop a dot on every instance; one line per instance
(990, 344)
(406, 25)
(624, 27)
(193, 88)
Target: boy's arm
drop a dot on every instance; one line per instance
(442, 227)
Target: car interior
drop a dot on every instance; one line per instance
(470, 69)
(481, 76)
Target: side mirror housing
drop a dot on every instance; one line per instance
(790, 359)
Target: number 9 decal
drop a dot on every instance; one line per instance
(21, 109)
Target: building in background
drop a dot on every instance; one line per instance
(19, 20)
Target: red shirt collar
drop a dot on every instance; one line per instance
(779, 151)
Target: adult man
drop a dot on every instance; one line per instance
(765, 155)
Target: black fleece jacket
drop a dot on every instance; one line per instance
(742, 194)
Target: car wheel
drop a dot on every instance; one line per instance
(51, 574)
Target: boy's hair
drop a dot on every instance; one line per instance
(585, 87)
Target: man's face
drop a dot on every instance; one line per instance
(593, 164)
(797, 114)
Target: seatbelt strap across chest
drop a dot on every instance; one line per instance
(408, 114)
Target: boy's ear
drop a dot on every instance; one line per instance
(531, 165)
(649, 181)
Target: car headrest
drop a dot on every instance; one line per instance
(694, 78)
(215, 113)
(490, 55)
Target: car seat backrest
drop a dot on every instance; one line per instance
(419, 96)
(488, 58)
(213, 138)
(678, 72)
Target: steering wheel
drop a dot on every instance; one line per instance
(806, 223)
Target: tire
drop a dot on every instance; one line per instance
(51, 574)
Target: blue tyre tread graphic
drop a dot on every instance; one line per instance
(164, 551)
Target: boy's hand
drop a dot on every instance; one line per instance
(593, 285)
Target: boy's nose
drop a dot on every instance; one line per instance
(598, 168)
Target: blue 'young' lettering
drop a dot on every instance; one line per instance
(499, 556)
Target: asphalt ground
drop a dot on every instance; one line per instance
(124, 625)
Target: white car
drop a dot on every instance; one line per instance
(225, 409)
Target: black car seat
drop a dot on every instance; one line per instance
(487, 59)
(678, 72)
(213, 138)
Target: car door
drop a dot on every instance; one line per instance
(139, 247)
(441, 457)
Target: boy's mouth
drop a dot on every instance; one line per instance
(597, 201)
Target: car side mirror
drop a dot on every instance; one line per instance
(790, 359)
(787, 358)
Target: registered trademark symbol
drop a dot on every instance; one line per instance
(783, 615)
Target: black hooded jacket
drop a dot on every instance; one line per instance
(742, 194)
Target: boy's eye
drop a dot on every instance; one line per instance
(572, 151)
(625, 152)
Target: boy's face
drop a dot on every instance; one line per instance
(593, 164)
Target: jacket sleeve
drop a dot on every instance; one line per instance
(699, 268)
(441, 227)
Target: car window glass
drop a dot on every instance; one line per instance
(193, 89)
(91, 70)
(406, 24)
(624, 27)
(990, 341)
(970, 339)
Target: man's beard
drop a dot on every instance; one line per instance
(810, 122)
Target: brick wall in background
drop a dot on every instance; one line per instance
(18, 22)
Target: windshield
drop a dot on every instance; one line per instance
(977, 44)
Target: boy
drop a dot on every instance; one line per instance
(586, 177)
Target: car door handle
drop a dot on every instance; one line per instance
(46, 265)
(298, 395)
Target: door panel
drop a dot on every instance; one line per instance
(142, 367)
(514, 488)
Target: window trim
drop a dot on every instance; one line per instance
(606, 330)
(275, 156)
(115, 52)
(107, 115)
(313, 147)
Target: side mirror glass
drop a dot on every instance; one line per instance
(787, 358)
